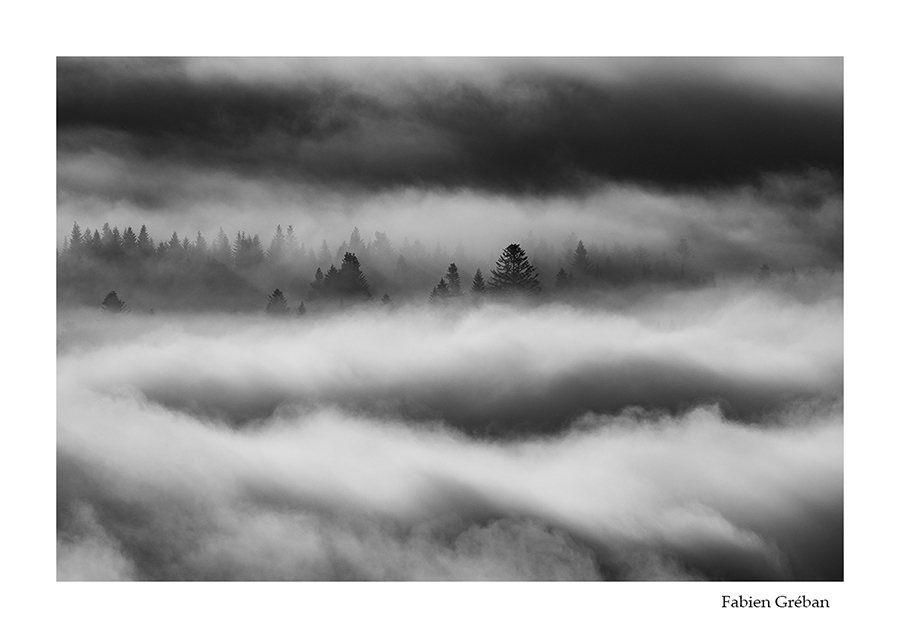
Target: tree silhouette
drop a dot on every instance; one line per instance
(221, 248)
(440, 292)
(352, 282)
(277, 304)
(301, 309)
(112, 305)
(581, 265)
(75, 242)
(453, 282)
(478, 283)
(317, 286)
(144, 242)
(562, 279)
(514, 274)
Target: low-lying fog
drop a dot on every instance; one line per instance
(691, 435)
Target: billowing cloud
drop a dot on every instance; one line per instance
(339, 475)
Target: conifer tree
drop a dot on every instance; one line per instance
(129, 241)
(277, 246)
(75, 243)
(478, 283)
(317, 286)
(324, 255)
(453, 282)
(222, 248)
(581, 265)
(277, 305)
(353, 284)
(200, 245)
(440, 293)
(514, 274)
(144, 242)
(291, 246)
(331, 286)
(112, 305)
(562, 279)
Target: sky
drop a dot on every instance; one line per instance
(742, 156)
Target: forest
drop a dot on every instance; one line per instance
(286, 276)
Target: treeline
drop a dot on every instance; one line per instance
(241, 274)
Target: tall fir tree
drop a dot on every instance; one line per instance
(440, 293)
(277, 305)
(112, 305)
(478, 283)
(453, 283)
(514, 274)
(353, 284)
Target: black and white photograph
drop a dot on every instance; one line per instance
(450, 319)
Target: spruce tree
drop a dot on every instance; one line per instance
(581, 265)
(453, 282)
(129, 241)
(353, 284)
(221, 249)
(277, 304)
(277, 245)
(112, 305)
(144, 242)
(562, 279)
(75, 243)
(514, 274)
(317, 286)
(440, 292)
(478, 283)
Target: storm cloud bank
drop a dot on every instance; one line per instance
(410, 446)
(501, 126)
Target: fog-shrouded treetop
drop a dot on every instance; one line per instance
(514, 273)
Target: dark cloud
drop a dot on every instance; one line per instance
(530, 128)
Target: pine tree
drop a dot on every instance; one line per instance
(317, 286)
(581, 265)
(513, 273)
(353, 284)
(301, 309)
(222, 248)
(112, 305)
(562, 279)
(144, 242)
(277, 246)
(453, 282)
(200, 245)
(75, 243)
(440, 293)
(291, 247)
(478, 283)
(331, 286)
(129, 241)
(277, 304)
(324, 255)
(386, 300)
